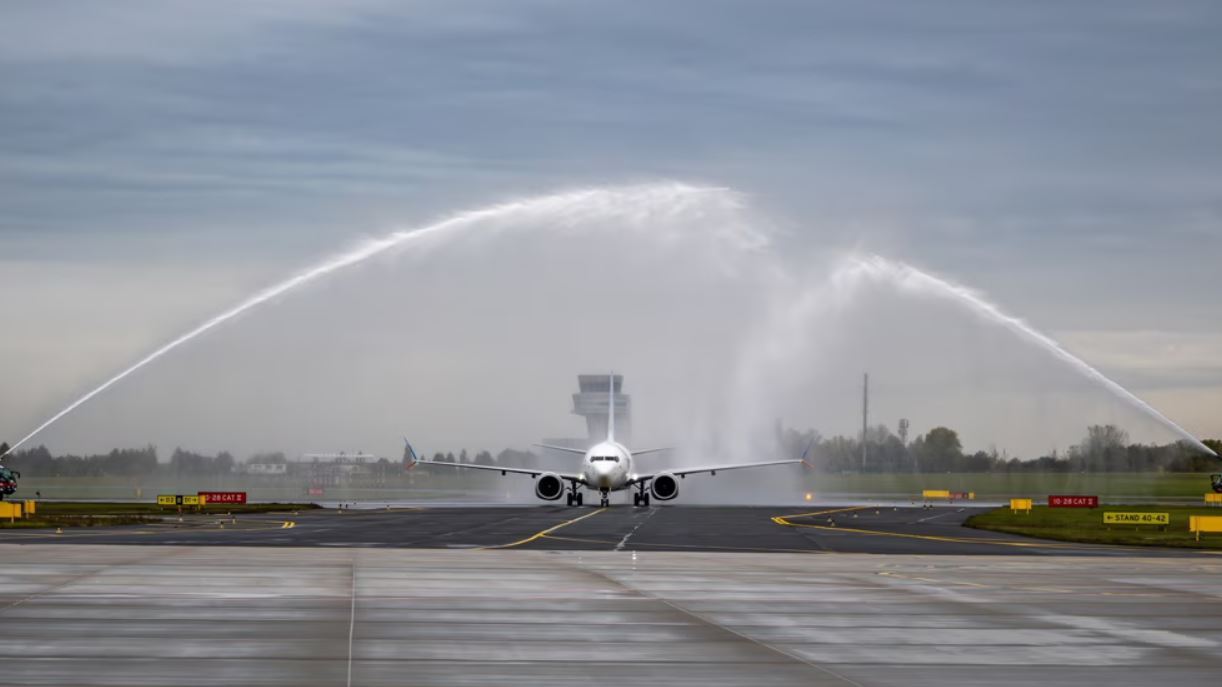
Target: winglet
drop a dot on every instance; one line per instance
(409, 452)
(611, 407)
(806, 453)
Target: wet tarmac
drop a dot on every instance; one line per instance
(223, 615)
(809, 529)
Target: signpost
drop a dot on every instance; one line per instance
(1137, 519)
(179, 500)
(1073, 501)
(1204, 523)
(1020, 504)
(222, 497)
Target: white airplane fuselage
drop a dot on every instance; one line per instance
(608, 466)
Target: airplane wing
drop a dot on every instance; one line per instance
(566, 449)
(641, 452)
(533, 472)
(713, 469)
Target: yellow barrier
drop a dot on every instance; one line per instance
(1204, 523)
(1020, 504)
(935, 494)
(30, 508)
(10, 510)
(1213, 499)
(1137, 518)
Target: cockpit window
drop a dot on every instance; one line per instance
(613, 459)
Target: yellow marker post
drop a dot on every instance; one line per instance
(1204, 523)
(30, 508)
(1020, 504)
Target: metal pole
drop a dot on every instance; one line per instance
(865, 416)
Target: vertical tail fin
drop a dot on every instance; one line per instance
(611, 407)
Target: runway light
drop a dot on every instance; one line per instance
(809, 496)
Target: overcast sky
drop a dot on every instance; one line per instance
(160, 160)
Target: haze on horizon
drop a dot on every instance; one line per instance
(164, 160)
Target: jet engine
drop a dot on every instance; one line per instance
(549, 487)
(664, 487)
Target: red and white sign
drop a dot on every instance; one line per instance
(223, 496)
(315, 491)
(1070, 501)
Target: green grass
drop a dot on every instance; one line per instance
(1176, 485)
(1086, 525)
(91, 508)
(89, 514)
(41, 521)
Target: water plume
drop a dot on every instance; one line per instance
(909, 279)
(640, 208)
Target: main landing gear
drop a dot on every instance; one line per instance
(574, 496)
(641, 498)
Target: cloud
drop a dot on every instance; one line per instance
(1060, 157)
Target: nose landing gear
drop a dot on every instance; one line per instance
(606, 498)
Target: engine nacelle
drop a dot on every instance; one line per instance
(664, 487)
(549, 487)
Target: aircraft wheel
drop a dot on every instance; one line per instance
(636, 499)
(569, 499)
(645, 500)
(580, 498)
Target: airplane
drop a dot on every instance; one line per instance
(606, 467)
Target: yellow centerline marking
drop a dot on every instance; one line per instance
(783, 519)
(540, 535)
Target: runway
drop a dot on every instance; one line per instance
(208, 615)
(810, 529)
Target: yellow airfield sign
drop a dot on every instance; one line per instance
(179, 500)
(1137, 518)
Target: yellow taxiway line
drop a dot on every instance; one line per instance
(540, 535)
(784, 520)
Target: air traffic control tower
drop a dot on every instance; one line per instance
(591, 401)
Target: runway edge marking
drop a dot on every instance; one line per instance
(541, 534)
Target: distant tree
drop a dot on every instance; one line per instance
(517, 459)
(441, 458)
(450, 457)
(3, 447)
(939, 450)
(1214, 445)
(484, 458)
(462, 456)
(1103, 449)
(274, 458)
(223, 463)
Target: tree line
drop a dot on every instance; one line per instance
(1105, 448)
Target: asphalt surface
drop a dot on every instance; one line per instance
(809, 529)
(210, 615)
